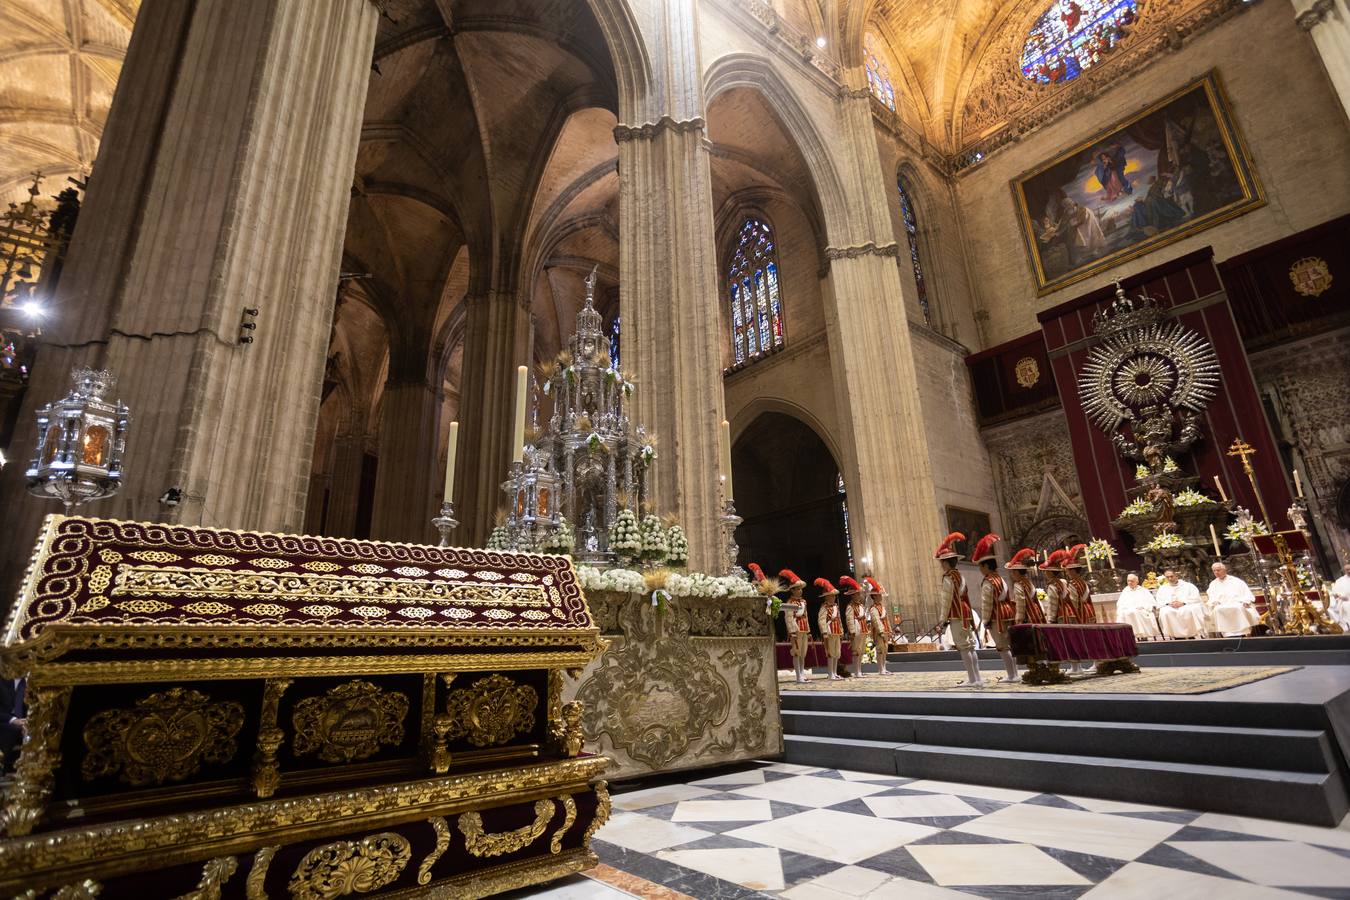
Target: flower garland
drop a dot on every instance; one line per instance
(695, 584)
(1166, 541)
(1098, 549)
(1138, 507)
(1192, 497)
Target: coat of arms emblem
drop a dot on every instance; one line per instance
(1311, 276)
(1028, 371)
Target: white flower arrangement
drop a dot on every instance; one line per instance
(624, 538)
(1041, 595)
(1165, 541)
(594, 441)
(563, 538)
(499, 538)
(1191, 497)
(1245, 526)
(1137, 507)
(647, 453)
(1141, 472)
(653, 540)
(1170, 465)
(1098, 549)
(624, 581)
(697, 584)
(677, 547)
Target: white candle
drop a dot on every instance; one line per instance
(1298, 483)
(1110, 557)
(1089, 561)
(518, 438)
(726, 458)
(450, 451)
(1214, 536)
(1219, 484)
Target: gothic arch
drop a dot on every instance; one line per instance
(766, 404)
(754, 72)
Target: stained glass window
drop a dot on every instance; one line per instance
(1074, 35)
(614, 342)
(843, 509)
(912, 235)
(756, 304)
(878, 73)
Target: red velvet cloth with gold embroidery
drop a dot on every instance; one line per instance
(1060, 643)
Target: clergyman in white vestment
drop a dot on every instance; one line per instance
(1179, 607)
(1231, 603)
(1134, 607)
(1340, 599)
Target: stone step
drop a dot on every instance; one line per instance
(1297, 750)
(1307, 797)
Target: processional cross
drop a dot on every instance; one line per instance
(1243, 450)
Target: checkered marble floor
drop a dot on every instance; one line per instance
(805, 833)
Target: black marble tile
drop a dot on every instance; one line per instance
(1197, 833)
(719, 842)
(706, 887)
(1094, 868)
(798, 867)
(1019, 891)
(1339, 851)
(898, 862)
(1172, 858)
(943, 822)
(664, 811)
(1334, 893)
(782, 810)
(857, 807)
(828, 773)
(1180, 817)
(960, 837)
(1053, 800)
(984, 805)
(716, 827)
(778, 776)
(679, 878)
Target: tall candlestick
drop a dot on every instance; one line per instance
(1298, 483)
(1110, 557)
(726, 457)
(1222, 493)
(1089, 561)
(1214, 536)
(450, 452)
(518, 436)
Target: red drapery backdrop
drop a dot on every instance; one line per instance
(1191, 285)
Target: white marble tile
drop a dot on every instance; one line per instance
(749, 776)
(722, 811)
(757, 868)
(791, 768)
(1006, 795)
(647, 834)
(993, 864)
(919, 806)
(659, 796)
(809, 790)
(1116, 837)
(829, 834)
(853, 882)
(580, 889)
(1093, 804)
(1274, 863)
(1140, 881)
(1282, 831)
(867, 776)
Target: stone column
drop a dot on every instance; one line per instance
(408, 481)
(496, 341)
(1328, 21)
(222, 183)
(668, 288)
(892, 504)
(344, 492)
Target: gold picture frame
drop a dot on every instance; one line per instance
(1171, 170)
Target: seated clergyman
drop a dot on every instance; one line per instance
(1231, 603)
(1179, 608)
(1135, 607)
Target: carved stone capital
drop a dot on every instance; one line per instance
(652, 129)
(871, 248)
(1315, 15)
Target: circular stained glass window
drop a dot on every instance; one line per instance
(1071, 36)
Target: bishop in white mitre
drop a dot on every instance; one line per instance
(1231, 603)
(1340, 599)
(1134, 607)
(1179, 608)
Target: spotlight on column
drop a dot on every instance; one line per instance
(33, 309)
(172, 497)
(247, 325)
(820, 42)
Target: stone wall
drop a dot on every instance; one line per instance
(1278, 90)
(687, 686)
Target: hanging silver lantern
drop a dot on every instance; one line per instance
(81, 438)
(533, 488)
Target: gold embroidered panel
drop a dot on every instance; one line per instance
(91, 576)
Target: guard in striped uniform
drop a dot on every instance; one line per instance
(997, 608)
(1022, 589)
(796, 620)
(954, 600)
(879, 622)
(831, 625)
(1079, 592)
(855, 621)
(1061, 598)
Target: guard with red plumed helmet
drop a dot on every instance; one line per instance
(997, 608)
(1022, 590)
(831, 625)
(954, 600)
(796, 620)
(1078, 588)
(1060, 595)
(855, 619)
(879, 622)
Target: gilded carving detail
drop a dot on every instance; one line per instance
(38, 760)
(480, 843)
(167, 736)
(603, 807)
(491, 711)
(350, 867)
(255, 888)
(442, 829)
(84, 890)
(350, 722)
(569, 816)
(214, 875)
(266, 770)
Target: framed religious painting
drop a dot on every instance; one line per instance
(974, 525)
(1168, 172)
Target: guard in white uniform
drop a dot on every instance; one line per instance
(797, 622)
(1231, 603)
(954, 600)
(1135, 607)
(998, 610)
(1180, 609)
(855, 621)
